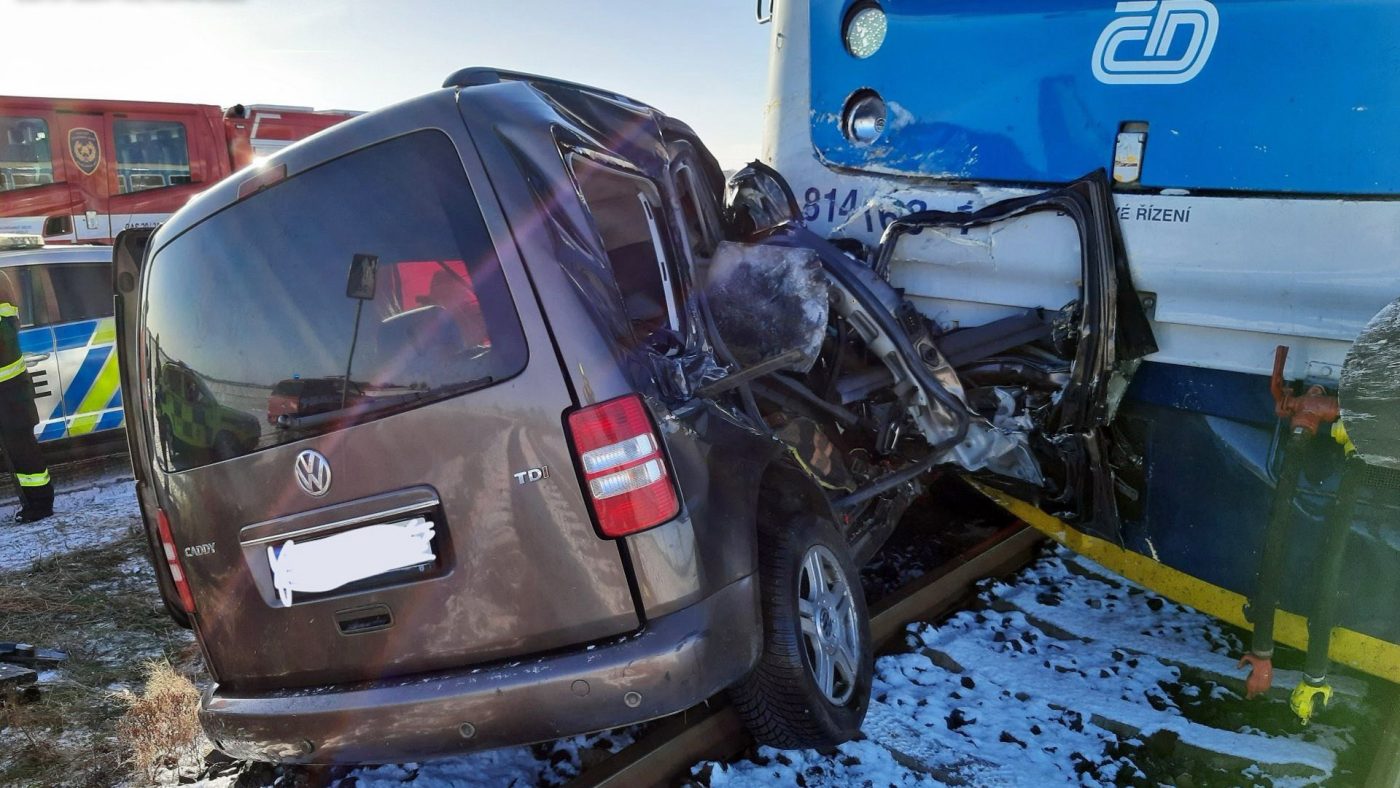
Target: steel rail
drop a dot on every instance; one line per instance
(713, 731)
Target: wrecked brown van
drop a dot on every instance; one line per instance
(597, 435)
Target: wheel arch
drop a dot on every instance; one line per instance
(786, 490)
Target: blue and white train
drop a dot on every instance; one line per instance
(1257, 189)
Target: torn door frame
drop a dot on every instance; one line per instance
(1114, 332)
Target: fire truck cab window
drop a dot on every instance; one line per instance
(25, 159)
(151, 154)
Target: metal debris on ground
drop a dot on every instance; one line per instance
(14, 678)
(17, 675)
(29, 654)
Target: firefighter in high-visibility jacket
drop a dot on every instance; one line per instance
(18, 415)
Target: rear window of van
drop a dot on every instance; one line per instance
(363, 287)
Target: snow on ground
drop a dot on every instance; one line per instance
(990, 698)
(1145, 623)
(1065, 675)
(95, 512)
(999, 696)
(81, 582)
(994, 696)
(551, 764)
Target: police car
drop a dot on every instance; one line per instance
(66, 334)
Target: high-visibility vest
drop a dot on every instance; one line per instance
(11, 359)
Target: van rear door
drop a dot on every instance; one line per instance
(414, 506)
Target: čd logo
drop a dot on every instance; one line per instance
(1156, 43)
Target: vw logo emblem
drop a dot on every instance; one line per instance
(313, 472)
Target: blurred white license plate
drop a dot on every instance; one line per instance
(331, 562)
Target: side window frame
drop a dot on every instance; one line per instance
(55, 170)
(121, 176)
(688, 188)
(663, 264)
(649, 194)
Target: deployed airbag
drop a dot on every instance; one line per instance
(767, 301)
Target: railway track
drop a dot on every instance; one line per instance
(713, 731)
(1064, 671)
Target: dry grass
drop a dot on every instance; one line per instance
(110, 621)
(21, 601)
(161, 725)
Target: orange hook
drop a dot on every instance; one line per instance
(1261, 675)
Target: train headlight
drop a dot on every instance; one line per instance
(864, 30)
(863, 119)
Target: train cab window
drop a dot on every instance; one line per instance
(624, 209)
(25, 158)
(151, 154)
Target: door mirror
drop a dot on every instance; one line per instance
(756, 200)
(360, 283)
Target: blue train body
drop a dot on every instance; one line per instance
(1265, 211)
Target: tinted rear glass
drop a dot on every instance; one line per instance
(251, 329)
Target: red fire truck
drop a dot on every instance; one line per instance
(76, 170)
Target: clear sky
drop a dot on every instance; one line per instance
(703, 61)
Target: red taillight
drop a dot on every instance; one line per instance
(624, 471)
(172, 560)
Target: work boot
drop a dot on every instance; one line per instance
(32, 515)
(35, 503)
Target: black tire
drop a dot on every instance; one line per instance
(780, 701)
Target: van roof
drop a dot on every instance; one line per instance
(471, 90)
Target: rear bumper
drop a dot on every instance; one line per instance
(676, 661)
